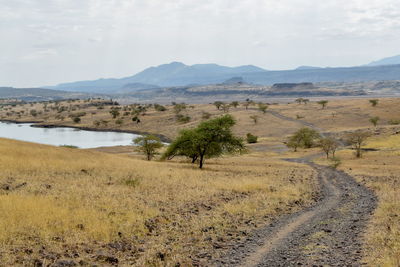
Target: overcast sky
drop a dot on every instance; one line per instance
(45, 42)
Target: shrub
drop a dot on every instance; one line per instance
(114, 112)
(335, 162)
(159, 107)
(251, 139)
(374, 102)
(76, 120)
(183, 118)
(179, 107)
(394, 122)
(33, 112)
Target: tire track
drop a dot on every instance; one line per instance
(329, 233)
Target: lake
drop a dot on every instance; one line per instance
(64, 136)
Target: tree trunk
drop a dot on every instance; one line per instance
(201, 161)
(358, 153)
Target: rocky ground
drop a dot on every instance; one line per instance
(329, 233)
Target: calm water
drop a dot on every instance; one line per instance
(64, 136)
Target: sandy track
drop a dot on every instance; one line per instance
(326, 234)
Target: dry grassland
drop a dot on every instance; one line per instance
(344, 114)
(93, 207)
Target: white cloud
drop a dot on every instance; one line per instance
(52, 41)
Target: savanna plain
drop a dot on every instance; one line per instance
(63, 206)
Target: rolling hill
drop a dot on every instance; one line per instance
(178, 74)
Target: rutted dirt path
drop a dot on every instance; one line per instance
(327, 234)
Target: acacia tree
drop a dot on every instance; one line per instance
(262, 107)
(210, 139)
(248, 103)
(323, 103)
(225, 107)
(148, 144)
(328, 145)
(357, 140)
(304, 138)
(114, 113)
(218, 104)
(374, 102)
(235, 104)
(374, 121)
(254, 118)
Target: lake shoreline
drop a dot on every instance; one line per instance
(41, 124)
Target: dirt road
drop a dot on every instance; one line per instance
(327, 234)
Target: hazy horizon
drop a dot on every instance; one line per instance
(51, 42)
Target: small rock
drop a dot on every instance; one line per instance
(63, 263)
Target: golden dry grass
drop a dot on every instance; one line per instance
(70, 203)
(344, 114)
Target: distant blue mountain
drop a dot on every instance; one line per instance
(172, 74)
(386, 61)
(179, 74)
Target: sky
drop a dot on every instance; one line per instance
(46, 42)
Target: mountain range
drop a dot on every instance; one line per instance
(178, 74)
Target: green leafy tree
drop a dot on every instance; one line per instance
(303, 138)
(235, 104)
(374, 102)
(374, 121)
(148, 144)
(209, 139)
(323, 103)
